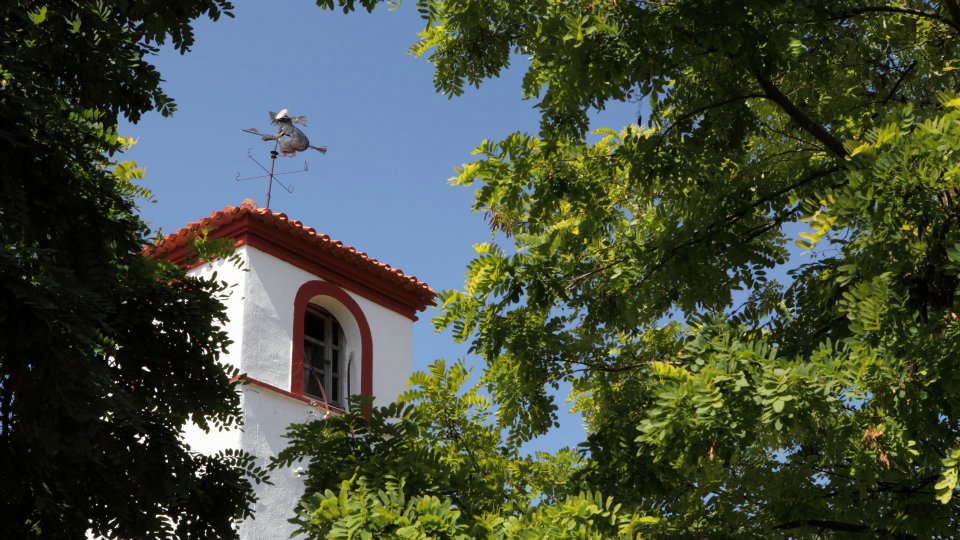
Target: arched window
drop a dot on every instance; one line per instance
(323, 356)
(332, 346)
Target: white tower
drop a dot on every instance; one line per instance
(312, 321)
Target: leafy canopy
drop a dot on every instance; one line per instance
(105, 355)
(732, 386)
(431, 466)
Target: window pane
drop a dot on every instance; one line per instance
(310, 385)
(323, 342)
(313, 355)
(313, 325)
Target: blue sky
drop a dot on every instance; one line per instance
(393, 142)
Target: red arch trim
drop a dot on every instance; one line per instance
(308, 291)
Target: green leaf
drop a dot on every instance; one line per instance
(778, 405)
(39, 16)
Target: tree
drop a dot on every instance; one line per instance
(104, 354)
(753, 293)
(430, 466)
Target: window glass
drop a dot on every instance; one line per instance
(322, 359)
(313, 325)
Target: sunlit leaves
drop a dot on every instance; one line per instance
(947, 483)
(437, 468)
(359, 511)
(39, 15)
(814, 403)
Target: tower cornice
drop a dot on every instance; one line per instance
(293, 242)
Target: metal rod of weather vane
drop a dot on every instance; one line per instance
(273, 162)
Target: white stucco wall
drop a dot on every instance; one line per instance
(260, 307)
(266, 416)
(270, 289)
(233, 299)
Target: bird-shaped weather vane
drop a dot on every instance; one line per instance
(289, 140)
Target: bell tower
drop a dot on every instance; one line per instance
(312, 321)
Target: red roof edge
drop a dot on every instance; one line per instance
(302, 246)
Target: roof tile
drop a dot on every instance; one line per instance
(296, 229)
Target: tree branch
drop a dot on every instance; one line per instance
(951, 6)
(842, 527)
(743, 211)
(773, 93)
(690, 114)
(896, 85)
(571, 281)
(594, 367)
(954, 8)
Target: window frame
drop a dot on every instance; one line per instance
(336, 300)
(333, 345)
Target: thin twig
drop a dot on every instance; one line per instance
(868, 10)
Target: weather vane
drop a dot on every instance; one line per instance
(289, 141)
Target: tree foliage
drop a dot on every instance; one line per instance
(432, 465)
(104, 354)
(754, 291)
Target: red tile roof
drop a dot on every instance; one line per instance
(173, 246)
